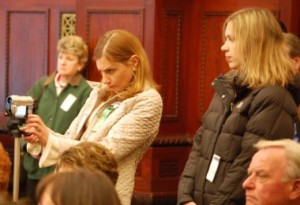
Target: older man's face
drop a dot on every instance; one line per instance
(264, 185)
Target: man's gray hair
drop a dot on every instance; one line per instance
(292, 153)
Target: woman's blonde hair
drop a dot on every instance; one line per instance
(260, 44)
(74, 45)
(119, 46)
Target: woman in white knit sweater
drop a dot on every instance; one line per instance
(122, 113)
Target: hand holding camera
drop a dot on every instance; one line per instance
(37, 129)
(20, 109)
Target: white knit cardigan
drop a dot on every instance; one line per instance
(127, 132)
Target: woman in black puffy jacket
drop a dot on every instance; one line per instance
(252, 101)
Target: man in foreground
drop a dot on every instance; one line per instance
(274, 174)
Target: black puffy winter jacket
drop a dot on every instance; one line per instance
(234, 121)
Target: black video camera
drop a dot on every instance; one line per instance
(17, 108)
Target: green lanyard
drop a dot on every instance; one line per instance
(104, 115)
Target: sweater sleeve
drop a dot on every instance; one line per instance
(136, 126)
(51, 153)
(57, 143)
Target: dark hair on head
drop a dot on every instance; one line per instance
(293, 44)
(282, 26)
(77, 187)
(90, 155)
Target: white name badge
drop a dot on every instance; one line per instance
(68, 102)
(214, 164)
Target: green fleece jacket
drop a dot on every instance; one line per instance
(57, 112)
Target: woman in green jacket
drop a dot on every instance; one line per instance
(59, 97)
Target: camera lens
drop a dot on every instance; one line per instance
(9, 100)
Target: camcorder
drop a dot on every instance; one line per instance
(17, 108)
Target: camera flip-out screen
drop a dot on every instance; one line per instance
(21, 111)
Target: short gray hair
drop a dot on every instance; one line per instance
(292, 153)
(74, 45)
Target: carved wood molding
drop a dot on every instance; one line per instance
(139, 12)
(204, 53)
(67, 22)
(169, 16)
(176, 140)
(8, 55)
(139, 198)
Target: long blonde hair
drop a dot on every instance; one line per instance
(119, 46)
(260, 44)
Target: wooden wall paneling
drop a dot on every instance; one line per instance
(26, 51)
(212, 58)
(289, 9)
(290, 15)
(2, 66)
(94, 18)
(25, 55)
(167, 156)
(234, 5)
(29, 33)
(55, 26)
(171, 71)
(191, 58)
(295, 19)
(100, 21)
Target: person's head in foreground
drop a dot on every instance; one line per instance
(77, 187)
(293, 48)
(274, 174)
(91, 155)
(5, 169)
